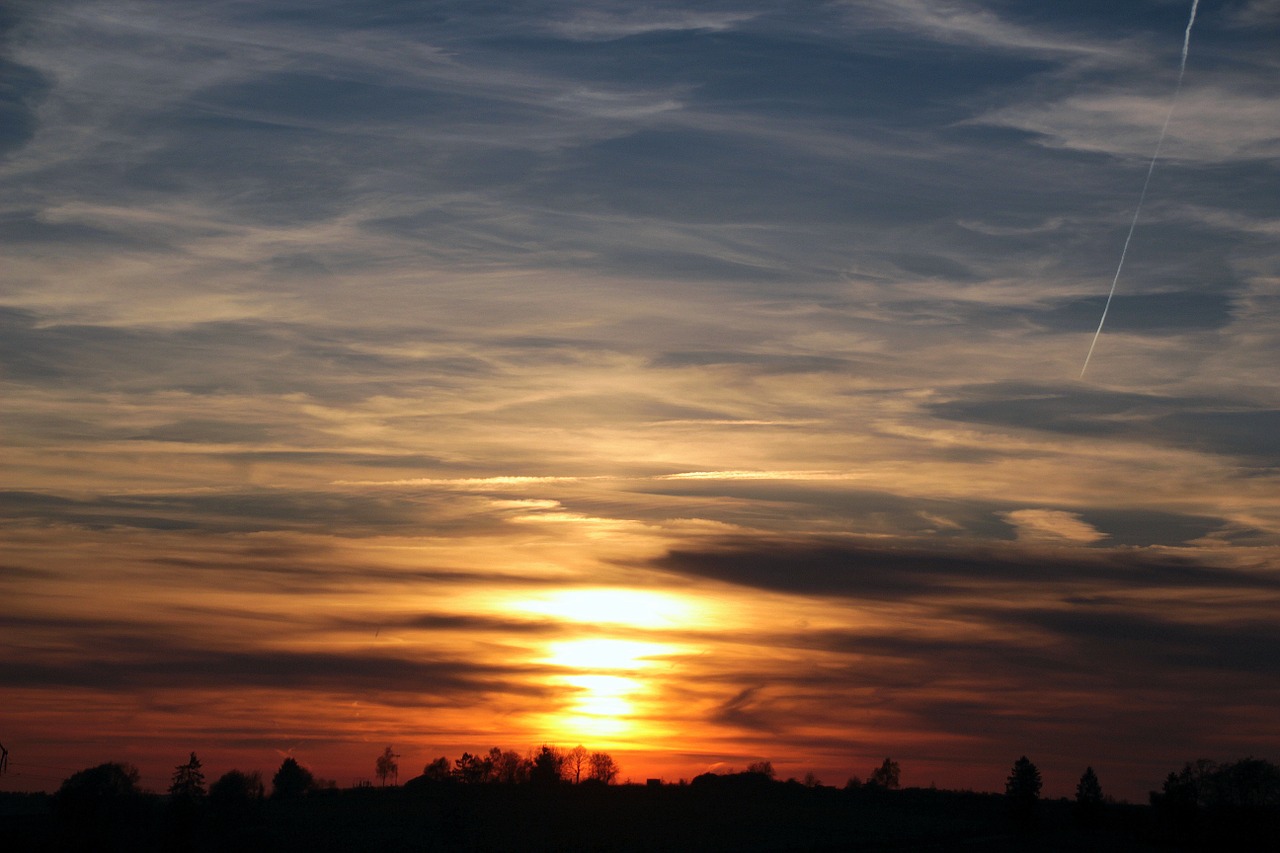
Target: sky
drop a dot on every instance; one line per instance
(699, 382)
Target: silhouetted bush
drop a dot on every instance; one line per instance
(437, 770)
(236, 794)
(291, 780)
(1235, 804)
(98, 791)
(101, 809)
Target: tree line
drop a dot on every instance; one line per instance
(1247, 783)
(554, 790)
(547, 765)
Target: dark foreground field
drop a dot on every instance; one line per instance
(716, 817)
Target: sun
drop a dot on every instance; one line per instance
(604, 654)
(635, 608)
(605, 680)
(609, 683)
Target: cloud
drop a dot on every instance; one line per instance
(1248, 647)
(1211, 125)
(609, 22)
(21, 89)
(247, 511)
(1217, 425)
(966, 23)
(771, 363)
(743, 710)
(1254, 14)
(330, 672)
(1050, 525)
(826, 566)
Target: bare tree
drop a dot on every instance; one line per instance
(387, 767)
(575, 761)
(603, 768)
(509, 768)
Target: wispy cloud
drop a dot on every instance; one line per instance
(1212, 124)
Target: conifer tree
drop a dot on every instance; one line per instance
(188, 780)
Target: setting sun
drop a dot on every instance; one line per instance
(611, 677)
(606, 654)
(631, 607)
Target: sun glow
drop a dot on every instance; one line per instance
(606, 654)
(612, 677)
(603, 703)
(632, 607)
(607, 680)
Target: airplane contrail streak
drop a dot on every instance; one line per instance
(1182, 69)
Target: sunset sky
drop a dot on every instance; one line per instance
(695, 381)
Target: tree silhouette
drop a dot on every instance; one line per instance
(1023, 786)
(763, 768)
(291, 780)
(387, 767)
(438, 770)
(509, 768)
(603, 768)
(546, 766)
(188, 780)
(472, 769)
(1088, 796)
(886, 775)
(235, 785)
(1247, 783)
(104, 793)
(236, 795)
(575, 761)
(1250, 783)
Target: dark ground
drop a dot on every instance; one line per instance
(722, 815)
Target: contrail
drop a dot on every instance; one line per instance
(1182, 69)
